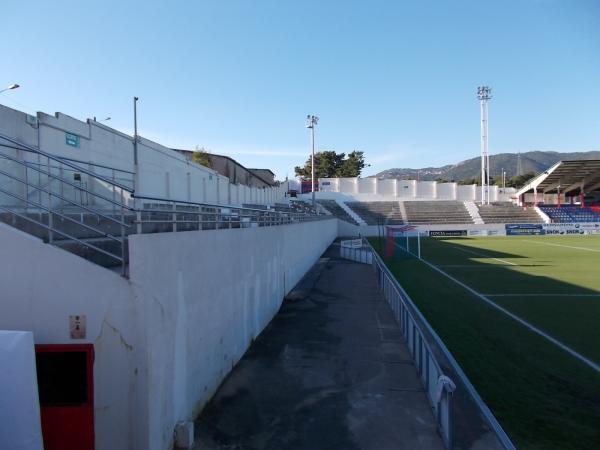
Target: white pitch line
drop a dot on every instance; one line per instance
(485, 256)
(541, 295)
(562, 245)
(523, 322)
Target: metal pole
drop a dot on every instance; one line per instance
(312, 134)
(482, 107)
(311, 122)
(135, 146)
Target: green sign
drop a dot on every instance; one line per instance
(72, 139)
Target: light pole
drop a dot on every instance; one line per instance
(135, 146)
(10, 87)
(311, 122)
(484, 93)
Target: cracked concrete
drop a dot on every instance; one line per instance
(329, 372)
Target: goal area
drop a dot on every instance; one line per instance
(402, 238)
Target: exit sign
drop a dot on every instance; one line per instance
(72, 139)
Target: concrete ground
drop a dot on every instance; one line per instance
(329, 372)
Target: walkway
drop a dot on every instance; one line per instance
(329, 372)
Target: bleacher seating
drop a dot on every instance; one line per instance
(303, 207)
(335, 209)
(506, 212)
(437, 212)
(374, 213)
(570, 213)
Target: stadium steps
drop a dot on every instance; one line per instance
(473, 212)
(438, 212)
(376, 213)
(504, 212)
(334, 208)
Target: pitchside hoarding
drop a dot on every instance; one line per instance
(447, 233)
(520, 229)
(572, 228)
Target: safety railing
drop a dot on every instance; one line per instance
(155, 214)
(65, 203)
(355, 251)
(425, 347)
(39, 194)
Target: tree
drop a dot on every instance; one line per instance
(519, 180)
(329, 164)
(202, 157)
(353, 165)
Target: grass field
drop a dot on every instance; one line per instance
(544, 397)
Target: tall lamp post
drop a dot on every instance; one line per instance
(10, 87)
(311, 122)
(136, 180)
(484, 93)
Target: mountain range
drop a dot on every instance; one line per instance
(534, 161)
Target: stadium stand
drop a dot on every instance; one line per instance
(300, 206)
(336, 210)
(505, 212)
(374, 213)
(437, 212)
(571, 213)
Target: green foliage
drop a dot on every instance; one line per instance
(202, 157)
(329, 164)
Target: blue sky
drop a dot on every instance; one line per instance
(394, 79)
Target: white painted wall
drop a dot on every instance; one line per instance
(41, 287)
(372, 189)
(165, 338)
(163, 172)
(205, 299)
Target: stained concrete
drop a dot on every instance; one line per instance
(329, 372)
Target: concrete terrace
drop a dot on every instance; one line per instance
(329, 372)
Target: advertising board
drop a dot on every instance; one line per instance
(520, 229)
(447, 233)
(572, 228)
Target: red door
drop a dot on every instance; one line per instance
(66, 389)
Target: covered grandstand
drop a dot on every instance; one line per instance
(567, 192)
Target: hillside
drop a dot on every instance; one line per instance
(535, 161)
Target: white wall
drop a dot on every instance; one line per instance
(372, 189)
(41, 287)
(205, 299)
(162, 172)
(165, 338)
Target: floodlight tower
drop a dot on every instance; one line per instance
(311, 122)
(484, 93)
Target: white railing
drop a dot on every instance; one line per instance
(426, 347)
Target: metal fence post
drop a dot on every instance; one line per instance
(174, 217)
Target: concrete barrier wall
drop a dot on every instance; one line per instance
(373, 189)
(41, 286)
(164, 339)
(206, 296)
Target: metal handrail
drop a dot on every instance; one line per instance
(54, 230)
(489, 417)
(51, 211)
(65, 162)
(210, 205)
(54, 194)
(62, 180)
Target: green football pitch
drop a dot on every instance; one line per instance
(535, 364)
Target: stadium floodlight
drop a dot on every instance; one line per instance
(311, 122)
(484, 93)
(10, 87)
